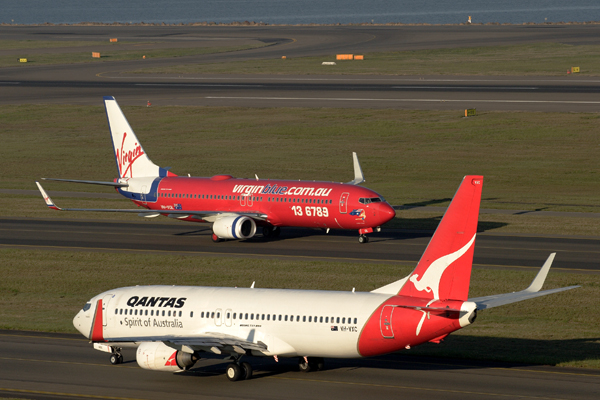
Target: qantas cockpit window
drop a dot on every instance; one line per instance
(87, 306)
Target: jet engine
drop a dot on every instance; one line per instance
(157, 356)
(234, 227)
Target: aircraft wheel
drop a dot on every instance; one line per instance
(267, 232)
(304, 366)
(319, 363)
(215, 238)
(116, 359)
(363, 239)
(246, 370)
(234, 372)
(276, 231)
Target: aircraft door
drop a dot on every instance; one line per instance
(344, 203)
(386, 322)
(218, 317)
(249, 201)
(243, 199)
(228, 317)
(105, 313)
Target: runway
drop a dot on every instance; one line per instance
(52, 366)
(87, 83)
(390, 246)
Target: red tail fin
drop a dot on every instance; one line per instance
(444, 271)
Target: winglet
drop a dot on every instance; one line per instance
(358, 174)
(540, 278)
(531, 292)
(47, 198)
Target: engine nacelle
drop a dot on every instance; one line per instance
(157, 356)
(234, 227)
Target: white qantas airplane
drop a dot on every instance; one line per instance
(172, 326)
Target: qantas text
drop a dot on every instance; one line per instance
(172, 302)
(283, 190)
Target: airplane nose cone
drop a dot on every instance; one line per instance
(83, 323)
(386, 213)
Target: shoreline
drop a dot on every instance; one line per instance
(253, 23)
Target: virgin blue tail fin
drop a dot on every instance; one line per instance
(132, 161)
(444, 271)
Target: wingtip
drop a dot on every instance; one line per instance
(47, 198)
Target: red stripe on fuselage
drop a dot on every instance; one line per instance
(97, 334)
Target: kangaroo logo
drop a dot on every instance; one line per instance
(430, 281)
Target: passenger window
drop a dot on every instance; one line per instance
(321, 319)
(212, 314)
(279, 317)
(297, 318)
(116, 311)
(191, 314)
(246, 316)
(202, 314)
(136, 312)
(251, 316)
(228, 315)
(169, 313)
(268, 317)
(263, 317)
(179, 313)
(218, 315)
(146, 313)
(355, 321)
(310, 318)
(151, 313)
(286, 317)
(163, 313)
(338, 320)
(234, 315)
(304, 318)
(343, 320)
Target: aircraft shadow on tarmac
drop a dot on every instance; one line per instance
(400, 229)
(427, 357)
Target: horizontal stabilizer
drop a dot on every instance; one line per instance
(358, 174)
(114, 184)
(531, 292)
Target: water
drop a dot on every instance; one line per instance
(298, 11)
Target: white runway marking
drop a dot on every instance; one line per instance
(405, 100)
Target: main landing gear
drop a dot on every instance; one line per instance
(116, 357)
(237, 371)
(307, 364)
(363, 239)
(270, 232)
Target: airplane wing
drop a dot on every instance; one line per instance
(214, 342)
(209, 216)
(531, 292)
(114, 184)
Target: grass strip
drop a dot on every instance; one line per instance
(552, 59)
(117, 55)
(43, 290)
(530, 161)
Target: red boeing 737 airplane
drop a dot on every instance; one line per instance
(234, 206)
(172, 327)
